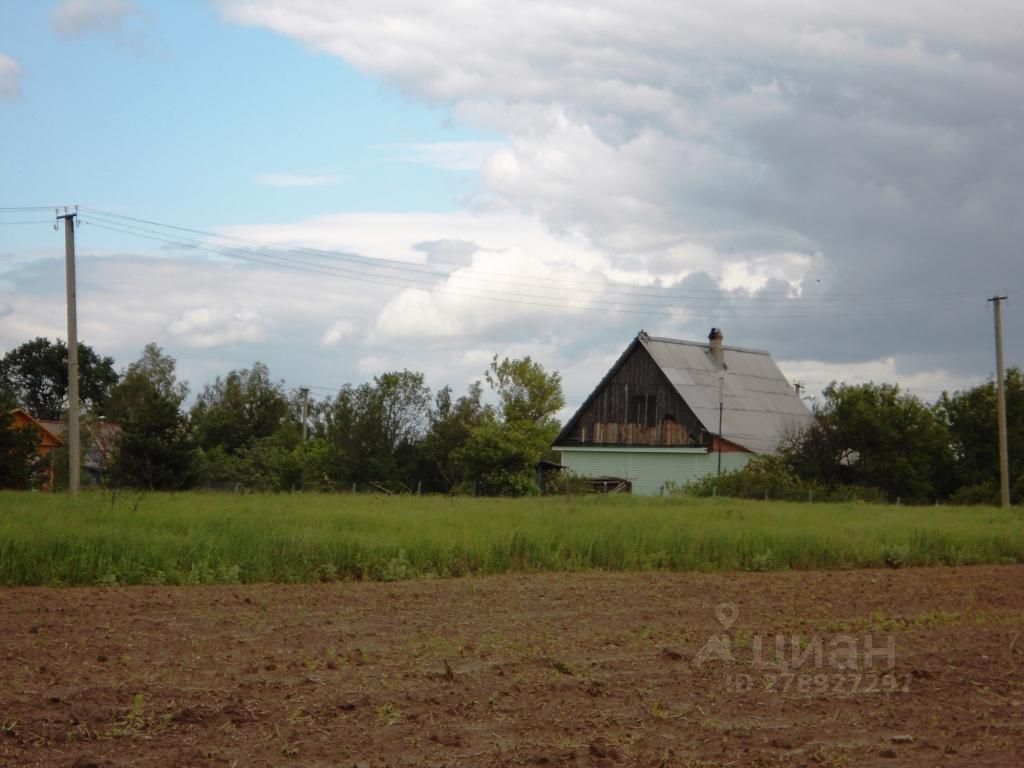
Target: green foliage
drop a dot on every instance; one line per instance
(154, 450)
(239, 409)
(185, 538)
(266, 465)
(873, 435)
(375, 428)
(773, 477)
(526, 391)
(973, 428)
(769, 474)
(451, 425)
(36, 374)
(501, 454)
(19, 465)
(501, 457)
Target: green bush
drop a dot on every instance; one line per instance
(771, 475)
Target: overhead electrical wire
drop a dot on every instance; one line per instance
(393, 282)
(537, 281)
(532, 290)
(613, 305)
(617, 305)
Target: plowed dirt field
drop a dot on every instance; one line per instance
(852, 668)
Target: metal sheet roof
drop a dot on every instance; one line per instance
(759, 405)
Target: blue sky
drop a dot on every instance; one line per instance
(181, 118)
(840, 185)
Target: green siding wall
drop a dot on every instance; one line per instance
(649, 469)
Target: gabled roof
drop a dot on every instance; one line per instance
(50, 435)
(759, 405)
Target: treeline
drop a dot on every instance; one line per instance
(245, 430)
(875, 443)
(393, 434)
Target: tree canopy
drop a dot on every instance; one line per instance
(154, 451)
(875, 435)
(36, 374)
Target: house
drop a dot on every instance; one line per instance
(47, 439)
(99, 443)
(670, 411)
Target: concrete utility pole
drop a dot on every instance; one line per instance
(74, 442)
(1004, 458)
(305, 410)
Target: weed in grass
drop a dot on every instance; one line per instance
(201, 538)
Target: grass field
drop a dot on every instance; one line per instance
(211, 538)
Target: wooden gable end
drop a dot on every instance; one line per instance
(46, 440)
(635, 405)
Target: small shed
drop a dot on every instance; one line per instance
(670, 411)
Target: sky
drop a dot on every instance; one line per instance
(341, 189)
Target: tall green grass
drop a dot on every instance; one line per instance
(210, 538)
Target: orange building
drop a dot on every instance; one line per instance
(49, 437)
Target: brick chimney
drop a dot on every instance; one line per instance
(715, 346)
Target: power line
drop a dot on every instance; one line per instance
(671, 302)
(533, 281)
(28, 208)
(616, 305)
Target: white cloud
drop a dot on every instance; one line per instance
(77, 18)
(218, 326)
(815, 375)
(860, 148)
(297, 180)
(10, 77)
(337, 332)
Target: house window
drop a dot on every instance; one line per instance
(643, 410)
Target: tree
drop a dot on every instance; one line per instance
(526, 391)
(36, 373)
(19, 465)
(971, 416)
(154, 450)
(236, 411)
(451, 425)
(501, 454)
(876, 436)
(374, 429)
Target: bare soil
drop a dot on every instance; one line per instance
(896, 667)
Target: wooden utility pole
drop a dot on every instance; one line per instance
(305, 410)
(74, 442)
(721, 409)
(1004, 459)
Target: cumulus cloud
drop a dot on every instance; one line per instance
(455, 253)
(857, 148)
(10, 77)
(337, 332)
(218, 326)
(815, 375)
